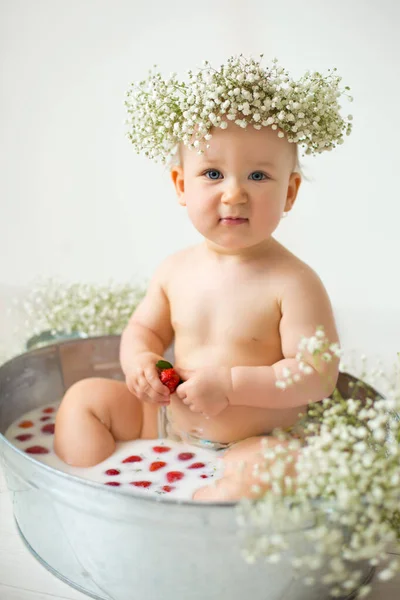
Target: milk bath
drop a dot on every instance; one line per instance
(156, 467)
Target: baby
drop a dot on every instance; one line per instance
(236, 306)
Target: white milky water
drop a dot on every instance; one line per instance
(156, 467)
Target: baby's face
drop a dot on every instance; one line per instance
(236, 192)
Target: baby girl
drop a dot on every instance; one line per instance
(235, 305)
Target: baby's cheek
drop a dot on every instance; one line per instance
(197, 215)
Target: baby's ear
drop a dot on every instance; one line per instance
(293, 188)
(179, 183)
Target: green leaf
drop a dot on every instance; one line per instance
(164, 364)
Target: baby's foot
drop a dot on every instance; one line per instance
(229, 488)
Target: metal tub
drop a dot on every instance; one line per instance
(113, 546)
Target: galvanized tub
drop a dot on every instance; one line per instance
(113, 546)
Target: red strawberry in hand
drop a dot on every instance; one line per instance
(168, 375)
(170, 378)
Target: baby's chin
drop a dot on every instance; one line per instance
(237, 246)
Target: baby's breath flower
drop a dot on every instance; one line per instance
(84, 308)
(165, 112)
(347, 479)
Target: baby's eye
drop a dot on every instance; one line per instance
(212, 174)
(258, 176)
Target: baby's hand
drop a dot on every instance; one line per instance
(143, 380)
(205, 390)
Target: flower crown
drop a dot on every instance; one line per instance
(166, 112)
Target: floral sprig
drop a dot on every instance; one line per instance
(165, 112)
(319, 347)
(87, 308)
(347, 484)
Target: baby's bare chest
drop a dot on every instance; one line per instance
(225, 309)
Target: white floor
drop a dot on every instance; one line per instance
(22, 577)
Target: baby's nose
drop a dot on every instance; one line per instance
(234, 195)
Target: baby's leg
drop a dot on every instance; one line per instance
(93, 414)
(239, 478)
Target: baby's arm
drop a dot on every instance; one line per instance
(304, 306)
(147, 336)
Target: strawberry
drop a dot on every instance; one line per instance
(25, 424)
(159, 464)
(143, 484)
(204, 476)
(168, 488)
(198, 465)
(112, 483)
(23, 437)
(170, 378)
(49, 410)
(45, 418)
(112, 472)
(174, 476)
(49, 428)
(185, 455)
(132, 459)
(36, 450)
(168, 375)
(160, 449)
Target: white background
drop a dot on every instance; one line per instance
(77, 202)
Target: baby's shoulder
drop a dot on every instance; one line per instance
(179, 258)
(292, 272)
(173, 264)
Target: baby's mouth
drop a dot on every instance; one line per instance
(233, 220)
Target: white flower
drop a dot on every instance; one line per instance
(386, 575)
(349, 463)
(52, 305)
(240, 83)
(281, 384)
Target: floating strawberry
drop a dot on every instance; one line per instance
(198, 465)
(155, 466)
(132, 459)
(45, 418)
(112, 472)
(49, 410)
(174, 476)
(112, 483)
(168, 488)
(36, 450)
(25, 424)
(204, 476)
(143, 484)
(49, 428)
(185, 455)
(168, 375)
(161, 449)
(24, 437)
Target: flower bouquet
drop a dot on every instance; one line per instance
(55, 310)
(347, 483)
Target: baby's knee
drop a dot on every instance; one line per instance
(82, 430)
(85, 389)
(92, 394)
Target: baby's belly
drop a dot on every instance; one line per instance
(233, 424)
(236, 422)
